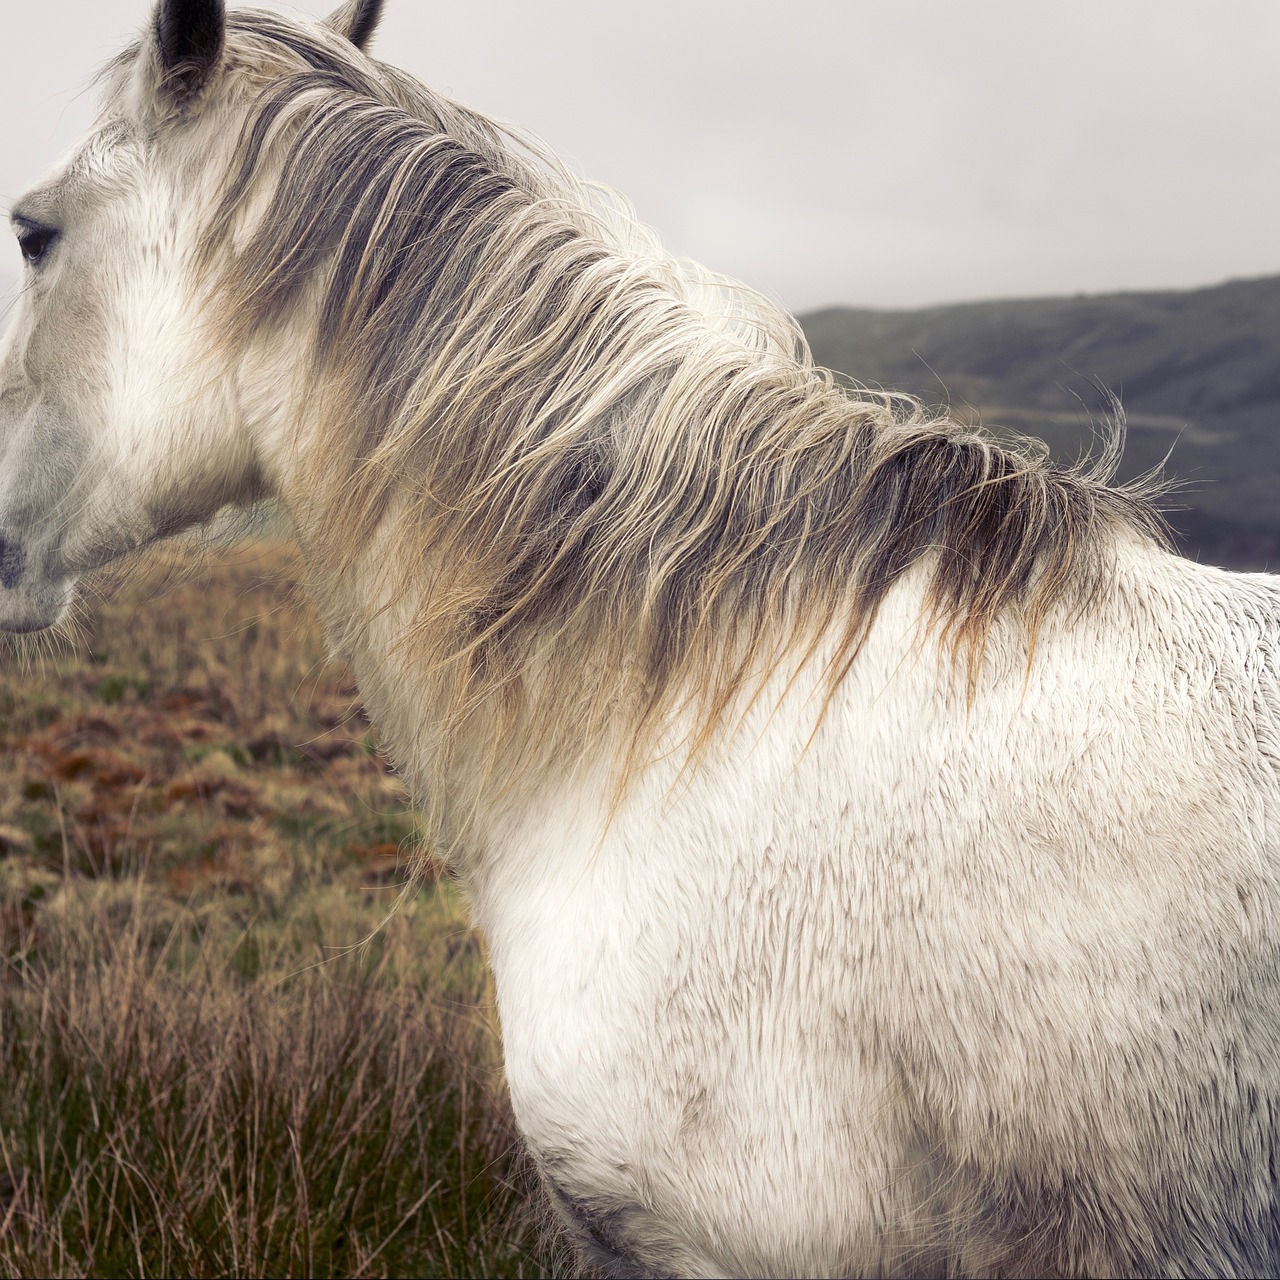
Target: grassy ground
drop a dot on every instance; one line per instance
(204, 1074)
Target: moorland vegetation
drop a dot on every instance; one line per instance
(224, 1052)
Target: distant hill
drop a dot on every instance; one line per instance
(1197, 371)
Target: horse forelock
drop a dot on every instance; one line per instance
(631, 499)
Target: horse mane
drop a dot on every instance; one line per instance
(634, 487)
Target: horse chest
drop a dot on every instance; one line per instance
(592, 951)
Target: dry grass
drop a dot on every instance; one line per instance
(204, 1075)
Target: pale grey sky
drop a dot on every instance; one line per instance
(891, 154)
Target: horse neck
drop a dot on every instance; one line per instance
(372, 591)
(525, 476)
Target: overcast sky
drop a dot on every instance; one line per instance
(890, 154)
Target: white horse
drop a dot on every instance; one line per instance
(875, 830)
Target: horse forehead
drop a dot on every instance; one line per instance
(107, 158)
(104, 160)
(115, 141)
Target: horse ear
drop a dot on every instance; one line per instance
(189, 40)
(357, 20)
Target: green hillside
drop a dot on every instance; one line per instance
(1198, 373)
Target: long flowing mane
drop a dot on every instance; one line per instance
(635, 488)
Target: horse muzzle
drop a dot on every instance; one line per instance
(31, 599)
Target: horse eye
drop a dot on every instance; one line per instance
(35, 242)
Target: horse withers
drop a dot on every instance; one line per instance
(874, 827)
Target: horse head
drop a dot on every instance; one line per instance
(124, 414)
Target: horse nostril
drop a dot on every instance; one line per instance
(10, 563)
